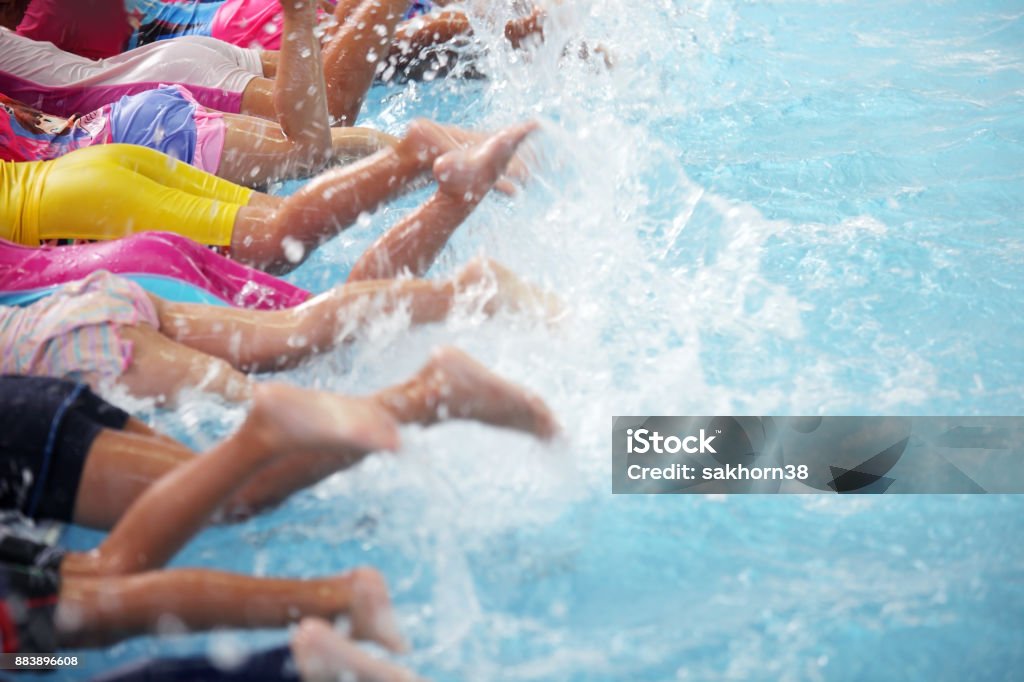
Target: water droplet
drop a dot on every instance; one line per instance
(294, 250)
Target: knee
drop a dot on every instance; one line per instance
(314, 146)
(98, 563)
(283, 251)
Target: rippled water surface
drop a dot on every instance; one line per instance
(766, 207)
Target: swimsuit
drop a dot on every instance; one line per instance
(74, 333)
(250, 23)
(30, 273)
(159, 20)
(90, 28)
(246, 23)
(48, 427)
(111, 191)
(167, 119)
(45, 77)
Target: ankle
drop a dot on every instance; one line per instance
(413, 402)
(261, 439)
(412, 158)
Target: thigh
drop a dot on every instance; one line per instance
(88, 459)
(161, 368)
(268, 62)
(258, 99)
(119, 467)
(141, 428)
(255, 150)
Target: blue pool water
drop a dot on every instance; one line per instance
(767, 207)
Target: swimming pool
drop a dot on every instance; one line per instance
(767, 207)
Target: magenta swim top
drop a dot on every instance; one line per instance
(258, 23)
(153, 253)
(249, 23)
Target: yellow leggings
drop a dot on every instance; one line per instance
(113, 190)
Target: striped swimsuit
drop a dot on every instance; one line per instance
(74, 333)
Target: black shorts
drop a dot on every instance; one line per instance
(29, 588)
(46, 429)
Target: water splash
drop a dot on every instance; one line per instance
(740, 222)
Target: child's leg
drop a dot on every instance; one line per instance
(299, 96)
(352, 53)
(454, 386)
(323, 654)
(424, 36)
(257, 152)
(450, 386)
(93, 611)
(123, 465)
(119, 467)
(261, 340)
(317, 653)
(282, 420)
(463, 178)
(162, 368)
(332, 201)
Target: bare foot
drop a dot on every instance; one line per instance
(324, 655)
(532, 26)
(370, 613)
(517, 169)
(511, 293)
(297, 419)
(460, 387)
(427, 140)
(468, 174)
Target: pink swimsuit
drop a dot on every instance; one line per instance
(172, 256)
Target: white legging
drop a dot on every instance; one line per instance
(191, 60)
